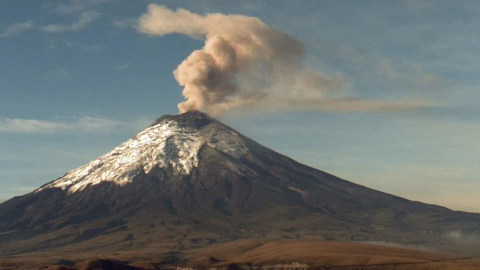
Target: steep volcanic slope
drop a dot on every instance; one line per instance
(188, 181)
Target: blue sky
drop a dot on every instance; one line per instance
(77, 79)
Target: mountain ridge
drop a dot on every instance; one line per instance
(158, 145)
(234, 189)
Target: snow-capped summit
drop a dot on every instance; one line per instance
(190, 181)
(170, 142)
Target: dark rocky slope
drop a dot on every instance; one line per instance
(235, 189)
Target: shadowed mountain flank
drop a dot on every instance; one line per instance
(188, 181)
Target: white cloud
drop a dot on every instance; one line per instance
(16, 125)
(76, 124)
(83, 20)
(17, 28)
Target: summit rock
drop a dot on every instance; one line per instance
(171, 142)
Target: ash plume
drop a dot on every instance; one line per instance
(244, 61)
(248, 64)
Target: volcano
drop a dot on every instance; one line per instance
(189, 181)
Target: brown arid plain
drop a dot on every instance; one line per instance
(255, 254)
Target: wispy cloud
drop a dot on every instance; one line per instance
(336, 105)
(83, 20)
(17, 28)
(77, 124)
(74, 6)
(411, 74)
(54, 43)
(17, 125)
(125, 23)
(94, 124)
(121, 67)
(348, 105)
(81, 45)
(56, 74)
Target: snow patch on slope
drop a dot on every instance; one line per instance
(165, 145)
